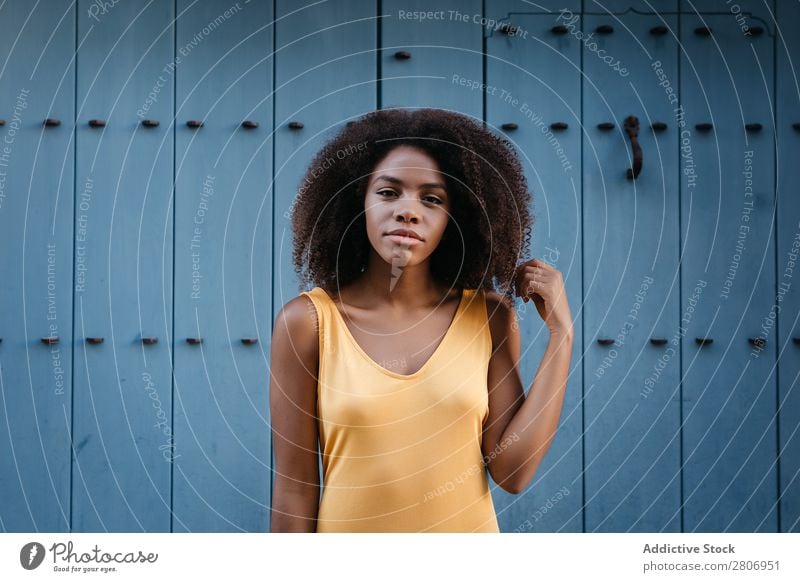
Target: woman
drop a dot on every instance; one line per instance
(402, 361)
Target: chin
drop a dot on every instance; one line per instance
(400, 255)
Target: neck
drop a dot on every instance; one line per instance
(406, 286)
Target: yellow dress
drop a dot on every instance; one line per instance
(402, 453)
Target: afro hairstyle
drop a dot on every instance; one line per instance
(490, 222)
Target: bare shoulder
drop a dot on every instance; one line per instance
(296, 323)
(502, 317)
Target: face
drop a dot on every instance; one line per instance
(406, 191)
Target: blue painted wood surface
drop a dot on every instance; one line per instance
(36, 230)
(787, 128)
(534, 81)
(632, 424)
(223, 249)
(123, 288)
(729, 391)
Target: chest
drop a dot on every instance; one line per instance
(430, 370)
(401, 345)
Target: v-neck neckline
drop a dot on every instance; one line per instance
(428, 362)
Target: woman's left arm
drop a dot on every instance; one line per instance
(519, 430)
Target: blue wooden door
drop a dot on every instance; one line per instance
(787, 336)
(727, 211)
(122, 273)
(534, 99)
(630, 279)
(36, 229)
(147, 245)
(222, 277)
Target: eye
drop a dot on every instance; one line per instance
(430, 199)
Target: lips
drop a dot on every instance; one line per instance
(405, 232)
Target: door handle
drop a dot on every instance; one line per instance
(632, 129)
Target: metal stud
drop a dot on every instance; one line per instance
(756, 30)
(194, 123)
(703, 341)
(758, 341)
(796, 340)
(605, 126)
(702, 31)
(402, 55)
(50, 340)
(194, 340)
(148, 341)
(249, 124)
(94, 340)
(605, 341)
(52, 122)
(658, 126)
(796, 126)
(703, 127)
(249, 341)
(509, 126)
(97, 123)
(604, 29)
(659, 30)
(753, 127)
(295, 125)
(150, 122)
(559, 126)
(658, 341)
(559, 29)
(2, 122)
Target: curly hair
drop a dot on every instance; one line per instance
(490, 224)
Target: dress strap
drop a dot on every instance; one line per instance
(322, 306)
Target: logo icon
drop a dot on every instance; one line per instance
(31, 555)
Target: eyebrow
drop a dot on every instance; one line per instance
(393, 180)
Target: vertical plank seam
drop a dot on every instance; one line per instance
(583, 293)
(171, 343)
(272, 253)
(72, 267)
(680, 285)
(776, 129)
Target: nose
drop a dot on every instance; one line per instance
(406, 212)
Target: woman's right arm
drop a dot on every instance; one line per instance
(294, 362)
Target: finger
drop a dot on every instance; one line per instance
(543, 264)
(542, 267)
(526, 264)
(536, 276)
(528, 289)
(533, 275)
(542, 291)
(534, 285)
